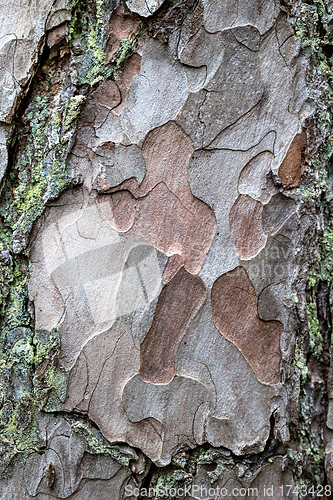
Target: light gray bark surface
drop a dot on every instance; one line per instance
(165, 248)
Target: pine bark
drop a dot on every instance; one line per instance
(166, 249)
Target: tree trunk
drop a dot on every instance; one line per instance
(166, 249)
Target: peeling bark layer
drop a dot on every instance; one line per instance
(166, 249)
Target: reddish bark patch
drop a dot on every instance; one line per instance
(124, 210)
(121, 25)
(294, 163)
(246, 225)
(107, 94)
(177, 305)
(132, 68)
(108, 145)
(234, 305)
(163, 209)
(175, 262)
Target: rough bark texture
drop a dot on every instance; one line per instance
(166, 256)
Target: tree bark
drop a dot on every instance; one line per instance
(166, 249)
